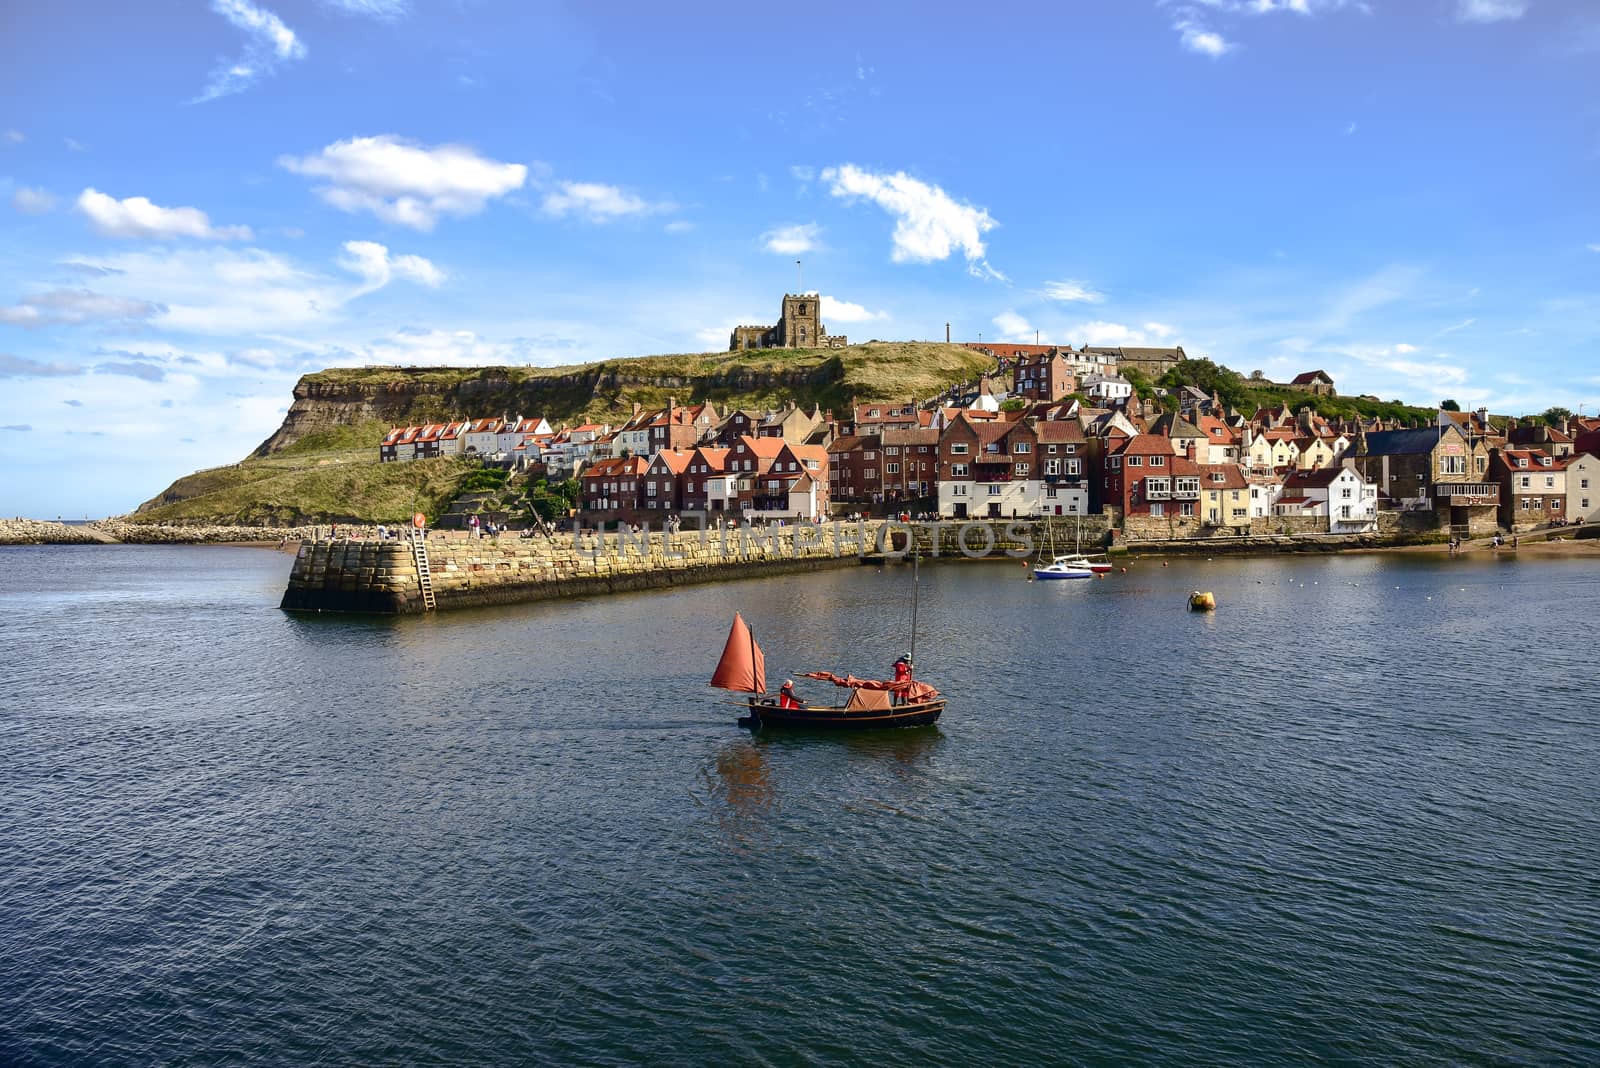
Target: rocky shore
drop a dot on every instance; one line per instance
(112, 531)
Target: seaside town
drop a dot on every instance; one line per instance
(1053, 431)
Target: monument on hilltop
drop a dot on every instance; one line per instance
(799, 326)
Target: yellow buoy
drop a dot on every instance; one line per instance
(1202, 601)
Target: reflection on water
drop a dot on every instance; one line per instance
(1351, 816)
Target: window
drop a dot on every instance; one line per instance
(870, 454)
(650, 489)
(1021, 469)
(1344, 494)
(1158, 509)
(1052, 467)
(1549, 482)
(1453, 465)
(1051, 449)
(1188, 508)
(1051, 492)
(1135, 461)
(1526, 482)
(1218, 478)
(958, 448)
(1187, 486)
(1157, 488)
(1238, 513)
(958, 470)
(1071, 449)
(1021, 448)
(893, 468)
(891, 450)
(1074, 467)
(994, 490)
(1116, 462)
(1158, 461)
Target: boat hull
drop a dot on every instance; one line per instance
(827, 717)
(1040, 573)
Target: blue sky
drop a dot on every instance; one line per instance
(201, 200)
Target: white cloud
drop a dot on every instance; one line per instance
(1197, 37)
(250, 292)
(268, 43)
(1101, 332)
(73, 144)
(596, 202)
(1594, 247)
(1075, 291)
(384, 10)
(802, 173)
(372, 262)
(1490, 10)
(32, 201)
(75, 306)
(1404, 348)
(137, 217)
(678, 226)
(929, 223)
(835, 310)
(403, 182)
(1013, 327)
(1349, 128)
(792, 240)
(15, 137)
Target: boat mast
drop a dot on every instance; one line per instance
(914, 589)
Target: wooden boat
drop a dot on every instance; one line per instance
(873, 703)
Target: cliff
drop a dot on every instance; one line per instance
(321, 465)
(352, 407)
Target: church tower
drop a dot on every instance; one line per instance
(801, 327)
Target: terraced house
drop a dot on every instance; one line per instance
(1533, 488)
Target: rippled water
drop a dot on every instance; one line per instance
(1352, 816)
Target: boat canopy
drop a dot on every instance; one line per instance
(914, 692)
(742, 666)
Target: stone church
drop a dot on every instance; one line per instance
(799, 327)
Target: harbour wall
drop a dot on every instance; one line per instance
(466, 572)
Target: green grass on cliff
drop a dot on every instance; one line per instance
(310, 486)
(884, 370)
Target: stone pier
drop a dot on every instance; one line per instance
(381, 577)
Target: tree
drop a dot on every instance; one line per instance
(1207, 377)
(1449, 406)
(1555, 415)
(1013, 404)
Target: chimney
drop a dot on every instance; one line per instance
(636, 409)
(947, 333)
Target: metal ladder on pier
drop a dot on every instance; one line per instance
(419, 553)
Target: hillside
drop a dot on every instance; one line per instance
(320, 466)
(351, 407)
(309, 486)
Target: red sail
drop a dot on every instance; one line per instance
(913, 692)
(742, 666)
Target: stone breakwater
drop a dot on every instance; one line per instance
(112, 531)
(164, 534)
(34, 532)
(353, 576)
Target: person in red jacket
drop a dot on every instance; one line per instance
(786, 697)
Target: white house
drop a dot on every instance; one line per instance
(513, 431)
(481, 437)
(1583, 489)
(1105, 387)
(1339, 494)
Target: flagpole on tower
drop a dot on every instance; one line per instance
(800, 274)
